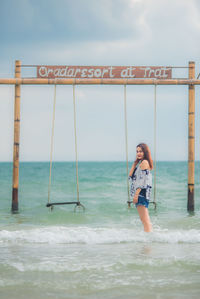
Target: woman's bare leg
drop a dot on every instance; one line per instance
(144, 216)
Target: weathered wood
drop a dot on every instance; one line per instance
(16, 139)
(191, 138)
(36, 81)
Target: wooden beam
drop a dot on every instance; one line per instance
(35, 81)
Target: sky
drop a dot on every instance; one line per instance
(98, 32)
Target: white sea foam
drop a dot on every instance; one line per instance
(88, 235)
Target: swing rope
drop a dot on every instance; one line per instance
(76, 150)
(126, 145)
(75, 139)
(155, 126)
(52, 142)
(77, 203)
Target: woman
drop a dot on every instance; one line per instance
(141, 183)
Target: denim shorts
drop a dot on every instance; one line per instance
(142, 201)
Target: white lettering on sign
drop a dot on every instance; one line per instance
(111, 72)
(128, 73)
(156, 73)
(108, 72)
(43, 71)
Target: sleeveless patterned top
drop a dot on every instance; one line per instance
(141, 179)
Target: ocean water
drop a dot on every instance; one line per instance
(102, 252)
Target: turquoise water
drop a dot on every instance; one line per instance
(102, 252)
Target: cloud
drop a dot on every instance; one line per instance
(38, 20)
(100, 32)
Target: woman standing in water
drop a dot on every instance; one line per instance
(141, 183)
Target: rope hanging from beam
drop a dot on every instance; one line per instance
(155, 127)
(52, 142)
(75, 141)
(77, 203)
(126, 145)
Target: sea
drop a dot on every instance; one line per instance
(102, 251)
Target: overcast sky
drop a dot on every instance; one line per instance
(98, 32)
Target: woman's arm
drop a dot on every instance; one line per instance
(144, 165)
(132, 169)
(135, 198)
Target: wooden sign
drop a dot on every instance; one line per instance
(107, 72)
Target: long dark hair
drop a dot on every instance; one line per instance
(147, 155)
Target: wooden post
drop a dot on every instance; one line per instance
(16, 138)
(191, 138)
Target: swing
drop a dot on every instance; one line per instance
(76, 203)
(129, 202)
